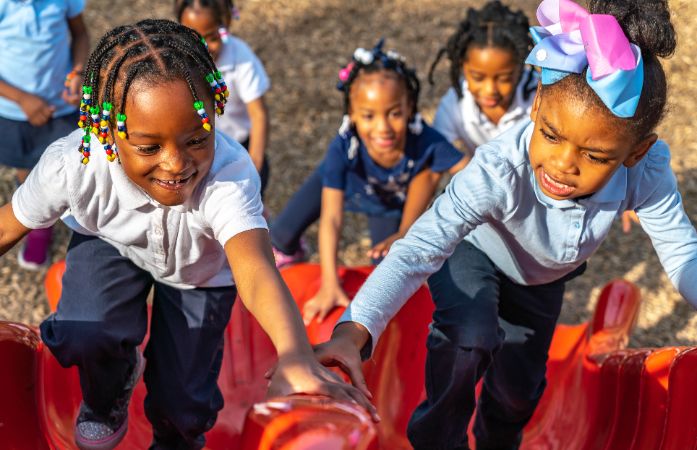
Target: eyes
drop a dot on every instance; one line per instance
(394, 114)
(552, 139)
(503, 79)
(194, 143)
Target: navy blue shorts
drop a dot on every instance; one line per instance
(22, 143)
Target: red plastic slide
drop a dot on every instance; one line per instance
(600, 395)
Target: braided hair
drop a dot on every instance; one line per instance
(153, 50)
(223, 10)
(375, 60)
(494, 25)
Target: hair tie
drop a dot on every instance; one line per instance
(571, 39)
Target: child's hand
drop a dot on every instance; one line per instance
(37, 110)
(342, 353)
(328, 297)
(380, 250)
(73, 90)
(627, 218)
(304, 375)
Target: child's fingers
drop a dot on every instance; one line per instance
(358, 397)
(269, 373)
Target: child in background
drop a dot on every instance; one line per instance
(385, 163)
(246, 118)
(532, 206)
(492, 89)
(180, 210)
(43, 49)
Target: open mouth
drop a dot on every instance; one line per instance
(553, 186)
(174, 183)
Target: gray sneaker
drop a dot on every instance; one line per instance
(95, 433)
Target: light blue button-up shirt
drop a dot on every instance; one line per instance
(35, 51)
(496, 204)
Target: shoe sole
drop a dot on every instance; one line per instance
(112, 441)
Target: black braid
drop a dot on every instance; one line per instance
(152, 50)
(494, 25)
(383, 61)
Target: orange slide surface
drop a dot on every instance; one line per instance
(600, 394)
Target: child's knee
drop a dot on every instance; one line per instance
(487, 338)
(74, 341)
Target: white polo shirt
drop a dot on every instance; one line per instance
(247, 81)
(181, 246)
(461, 119)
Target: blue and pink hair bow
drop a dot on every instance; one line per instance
(571, 39)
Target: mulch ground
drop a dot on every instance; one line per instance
(304, 42)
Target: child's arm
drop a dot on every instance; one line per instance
(38, 112)
(419, 194)
(330, 293)
(259, 133)
(11, 230)
(266, 296)
(662, 216)
(80, 47)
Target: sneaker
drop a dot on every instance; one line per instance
(283, 259)
(94, 433)
(33, 254)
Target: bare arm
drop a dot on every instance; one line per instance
(11, 230)
(419, 195)
(330, 293)
(81, 42)
(38, 112)
(259, 133)
(264, 293)
(80, 51)
(266, 296)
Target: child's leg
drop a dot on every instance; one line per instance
(301, 211)
(463, 339)
(184, 355)
(101, 318)
(381, 228)
(514, 382)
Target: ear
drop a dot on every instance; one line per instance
(536, 102)
(640, 150)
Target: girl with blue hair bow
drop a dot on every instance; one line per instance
(523, 217)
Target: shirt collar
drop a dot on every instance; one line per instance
(129, 194)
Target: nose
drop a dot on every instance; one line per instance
(383, 124)
(176, 160)
(490, 87)
(564, 160)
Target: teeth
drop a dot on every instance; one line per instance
(556, 183)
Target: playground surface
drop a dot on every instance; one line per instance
(304, 42)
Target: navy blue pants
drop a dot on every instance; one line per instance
(22, 143)
(102, 318)
(484, 325)
(304, 208)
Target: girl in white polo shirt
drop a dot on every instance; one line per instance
(491, 88)
(156, 198)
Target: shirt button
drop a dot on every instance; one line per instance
(577, 225)
(541, 54)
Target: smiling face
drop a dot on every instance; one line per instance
(204, 22)
(492, 74)
(166, 151)
(380, 111)
(577, 147)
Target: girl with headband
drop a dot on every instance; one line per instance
(523, 217)
(384, 162)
